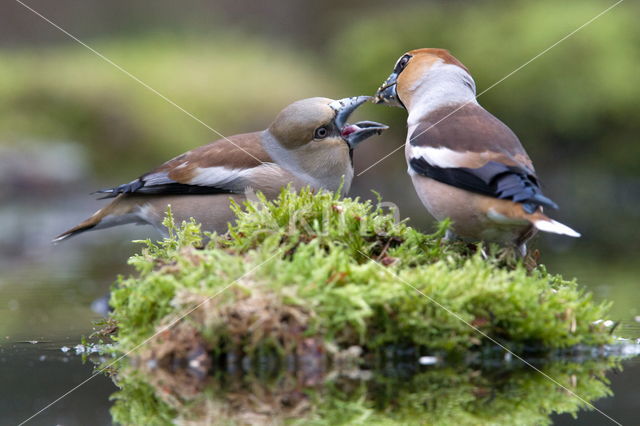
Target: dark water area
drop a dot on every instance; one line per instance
(622, 406)
(48, 294)
(36, 374)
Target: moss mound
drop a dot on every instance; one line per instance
(309, 274)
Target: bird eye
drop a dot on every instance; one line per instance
(402, 63)
(321, 133)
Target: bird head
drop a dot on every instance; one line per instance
(412, 71)
(313, 139)
(322, 122)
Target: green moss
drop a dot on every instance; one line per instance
(143, 406)
(345, 273)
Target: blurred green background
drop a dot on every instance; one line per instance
(71, 123)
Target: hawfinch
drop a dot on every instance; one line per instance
(309, 143)
(465, 164)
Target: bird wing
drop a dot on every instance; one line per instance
(223, 166)
(471, 149)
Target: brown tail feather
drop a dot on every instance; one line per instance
(119, 206)
(82, 227)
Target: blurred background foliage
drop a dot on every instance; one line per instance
(83, 99)
(71, 123)
(235, 63)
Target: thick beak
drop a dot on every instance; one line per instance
(387, 93)
(353, 134)
(356, 133)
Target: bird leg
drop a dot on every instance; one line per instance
(450, 236)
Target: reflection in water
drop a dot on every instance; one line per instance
(499, 392)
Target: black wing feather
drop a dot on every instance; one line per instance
(170, 188)
(493, 179)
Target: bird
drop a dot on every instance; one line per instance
(465, 164)
(309, 143)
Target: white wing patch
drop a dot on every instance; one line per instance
(441, 157)
(159, 178)
(216, 176)
(225, 177)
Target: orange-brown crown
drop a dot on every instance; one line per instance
(419, 64)
(434, 54)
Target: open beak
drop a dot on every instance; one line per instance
(355, 133)
(387, 93)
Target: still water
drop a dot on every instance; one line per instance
(47, 302)
(33, 375)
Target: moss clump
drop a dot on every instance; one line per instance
(341, 272)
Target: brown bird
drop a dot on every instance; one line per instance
(465, 164)
(309, 143)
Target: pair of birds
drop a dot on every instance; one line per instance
(465, 164)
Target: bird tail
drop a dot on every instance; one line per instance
(118, 212)
(546, 224)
